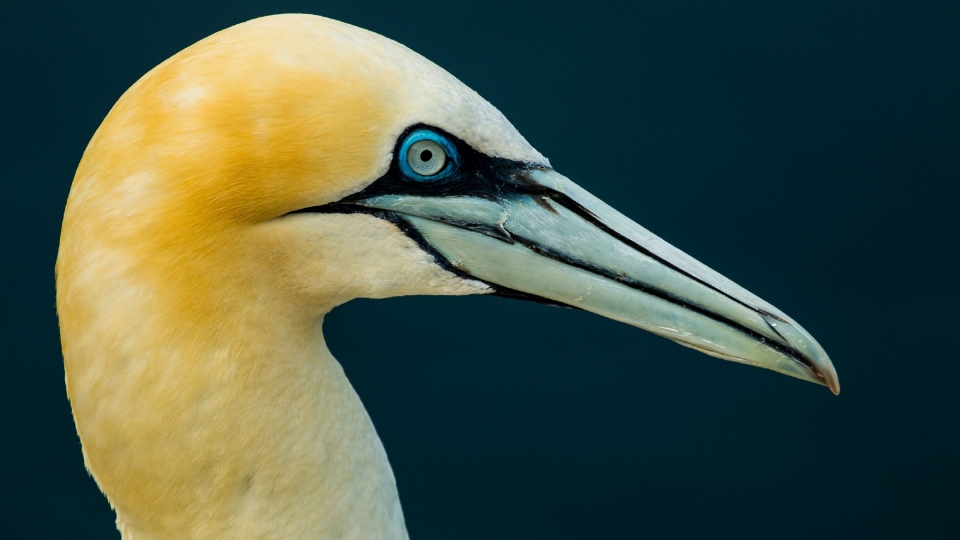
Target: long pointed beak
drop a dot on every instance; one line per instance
(552, 239)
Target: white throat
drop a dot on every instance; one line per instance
(308, 463)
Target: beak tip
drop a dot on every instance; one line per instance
(831, 381)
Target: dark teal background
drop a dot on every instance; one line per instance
(809, 150)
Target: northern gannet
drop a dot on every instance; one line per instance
(249, 184)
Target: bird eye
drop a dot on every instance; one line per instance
(427, 156)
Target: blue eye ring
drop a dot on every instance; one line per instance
(452, 156)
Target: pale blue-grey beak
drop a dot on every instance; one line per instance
(553, 240)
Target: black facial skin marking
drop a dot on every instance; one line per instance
(496, 179)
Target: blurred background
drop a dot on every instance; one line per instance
(808, 150)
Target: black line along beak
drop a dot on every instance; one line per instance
(552, 240)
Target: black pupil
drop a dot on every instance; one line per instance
(426, 155)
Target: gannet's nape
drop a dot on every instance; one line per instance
(533, 234)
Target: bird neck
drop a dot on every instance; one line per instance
(245, 428)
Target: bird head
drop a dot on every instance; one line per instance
(298, 163)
